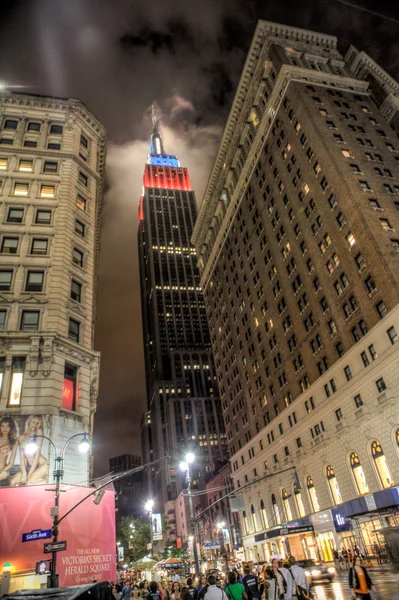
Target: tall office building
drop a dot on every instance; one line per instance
(182, 393)
(52, 157)
(298, 245)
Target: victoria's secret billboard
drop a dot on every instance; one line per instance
(89, 532)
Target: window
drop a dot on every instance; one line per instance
(43, 217)
(348, 373)
(17, 377)
(30, 143)
(299, 443)
(80, 228)
(375, 205)
(81, 203)
(332, 327)
(380, 383)
(386, 225)
(21, 189)
(393, 336)
(365, 359)
(369, 283)
(310, 405)
(9, 245)
(50, 167)
(74, 330)
(34, 281)
(39, 246)
(69, 387)
(56, 129)
(3, 163)
(76, 290)
(77, 257)
(358, 474)
(30, 320)
(364, 186)
(84, 141)
(47, 191)
(286, 504)
(339, 349)
(5, 280)
(6, 141)
(381, 309)
(54, 146)
(381, 465)
(358, 401)
(333, 485)
(359, 260)
(15, 215)
(373, 352)
(10, 124)
(338, 414)
(25, 165)
(350, 238)
(395, 245)
(312, 495)
(33, 126)
(83, 178)
(3, 314)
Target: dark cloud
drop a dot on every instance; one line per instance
(119, 57)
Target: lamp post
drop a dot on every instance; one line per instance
(148, 506)
(185, 466)
(58, 474)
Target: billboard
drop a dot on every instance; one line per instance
(76, 464)
(156, 526)
(89, 532)
(17, 466)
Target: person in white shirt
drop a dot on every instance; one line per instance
(298, 575)
(214, 592)
(289, 583)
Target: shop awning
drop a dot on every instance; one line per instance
(303, 525)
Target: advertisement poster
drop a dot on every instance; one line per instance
(89, 532)
(156, 526)
(76, 463)
(17, 465)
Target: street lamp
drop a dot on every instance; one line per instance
(148, 507)
(185, 466)
(58, 474)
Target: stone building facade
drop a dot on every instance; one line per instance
(52, 159)
(298, 251)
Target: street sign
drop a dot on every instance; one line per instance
(36, 534)
(54, 547)
(211, 544)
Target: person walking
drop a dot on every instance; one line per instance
(359, 580)
(336, 559)
(298, 576)
(126, 591)
(280, 579)
(213, 592)
(153, 591)
(193, 590)
(251, 584)
(235, 590)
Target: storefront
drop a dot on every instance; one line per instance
(295, 538)
(326, 535)
(364, 520)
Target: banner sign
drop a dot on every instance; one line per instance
(156, 522)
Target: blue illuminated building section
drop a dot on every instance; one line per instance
(163, 160)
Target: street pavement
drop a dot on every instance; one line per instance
(386, 582)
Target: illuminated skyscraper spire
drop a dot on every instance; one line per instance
(157, 154)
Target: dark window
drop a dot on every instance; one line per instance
(365, 359)
(30, 320)
(83, 178)
(33, 126)
(6, 141)
(338, 414)
(74, 330)
(77, 257)
(56, 129)
(348, 372)
(299, 442)
(54, 146)
(339, 348)
(9, 245)
(380, 383)
(30, 144)
(393, 336)
(358, 401)
(76, 290)
(381, 309)
(15, 215)
(34, 281)
(50, 166)
(84, 141)
(3, 314)
(10, 124)
(80, 228)
(5, 280)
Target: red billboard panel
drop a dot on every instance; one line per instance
(89, 532)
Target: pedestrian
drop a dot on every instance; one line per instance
(281, 582)
(213, 592)
(153, 591)
(175, 576)
(345, 558)
(235, 590)
(117, 592)
(359, 580)
(176, 591)
(163, 590)
(356, 550)
(238, 575)
(288, 581)
(299, 577)
(193, 591)
(126, 591)
(336, 559)
(270, 584)
(135, 592)
(250, 582)
(201, 582)
(350, 556)
(377, 552)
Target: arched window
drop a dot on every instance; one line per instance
(276, 511)
(358, 474)
(381, 464)
(333, 483)
(312, 494)
(254, 520)
(286, 505)
(397, 436)
(299, 502)
(264, 515)
(245, 521)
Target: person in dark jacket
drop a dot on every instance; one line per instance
(250, 583)
(359, 580)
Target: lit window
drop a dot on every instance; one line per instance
(3, 164)
(346, 153)
(333, 484)
(9, 245)
(358, 474)
(312, 495)
(47, 191)
(381, 465)
(69, 387)
(81, 203)
(21, 189)
(350, 238)
(17, 376)
(386, 225)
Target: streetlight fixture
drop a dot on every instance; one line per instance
(148, 507)
(58, 474)
(185, 466)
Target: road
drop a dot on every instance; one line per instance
(385, 579)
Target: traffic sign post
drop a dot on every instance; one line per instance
(54, 547)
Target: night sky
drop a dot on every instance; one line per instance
(119, 56)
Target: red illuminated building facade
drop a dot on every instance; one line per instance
(183, 406)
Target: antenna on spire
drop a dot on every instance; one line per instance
(154, 118)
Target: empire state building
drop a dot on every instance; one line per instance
(183, 404)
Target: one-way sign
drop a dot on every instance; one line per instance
(54, 547)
